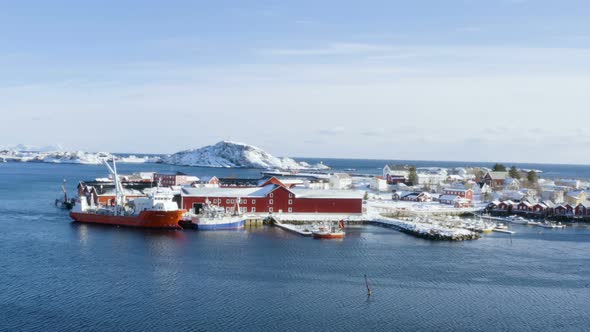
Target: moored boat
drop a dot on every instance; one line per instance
(213, 217)
(329, 232)
(157, 210)
(65, 203)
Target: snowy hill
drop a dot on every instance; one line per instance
(65, 157)
(231, 154)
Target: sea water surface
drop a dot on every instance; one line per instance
(59, 275)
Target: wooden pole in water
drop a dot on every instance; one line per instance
(367, 284)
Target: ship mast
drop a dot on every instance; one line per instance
(119, 193)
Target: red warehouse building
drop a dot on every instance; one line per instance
(275, 198)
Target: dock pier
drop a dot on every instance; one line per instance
(426, 231)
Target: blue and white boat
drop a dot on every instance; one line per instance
(213, 217)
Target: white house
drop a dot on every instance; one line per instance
(340, 181)
(320, 185)
(431, 175)
(511, 184)
(378, 183)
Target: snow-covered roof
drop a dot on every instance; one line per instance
(498, 175)
(315, 193)
(220, 191)
(511, 181)
(456, 189)
(264, 191)
(575, 193)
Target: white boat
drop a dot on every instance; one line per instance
(517, 220)
(501, 230)
(213, 217)
(551, 225)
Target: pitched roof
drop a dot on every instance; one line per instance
(498, 175)
(457, 189)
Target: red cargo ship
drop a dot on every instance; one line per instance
(157, 210)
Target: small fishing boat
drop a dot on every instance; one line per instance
(487, 229)
(329, 232)
(501, 230)
(213, 217)
(517, 220)
(551, 225)
(65, 203)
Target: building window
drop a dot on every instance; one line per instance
(290, 195)
(290, 209)
(271, 195)
(253, 201)
(270, 201)
(290, 201)
(253, 209)
(269, 209)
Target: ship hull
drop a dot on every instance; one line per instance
(327, 235)
(145, 219)
(220, 225)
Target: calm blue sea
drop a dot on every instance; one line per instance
(373, 166)
(60, 276)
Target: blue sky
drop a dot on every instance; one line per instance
(447, 80)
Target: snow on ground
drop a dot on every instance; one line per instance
(427, 228)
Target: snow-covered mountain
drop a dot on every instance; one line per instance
(66, 157)
(231, 154)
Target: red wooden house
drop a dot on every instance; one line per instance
(582, 210)
(524, 207)
(506, 206)
(564, 210)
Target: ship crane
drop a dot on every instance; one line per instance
(119, 192)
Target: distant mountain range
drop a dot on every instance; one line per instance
(222, 154)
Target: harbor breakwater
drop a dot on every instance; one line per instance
(427, 231)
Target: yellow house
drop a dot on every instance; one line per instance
(576, 197)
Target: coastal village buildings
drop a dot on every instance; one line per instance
(174, 179)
